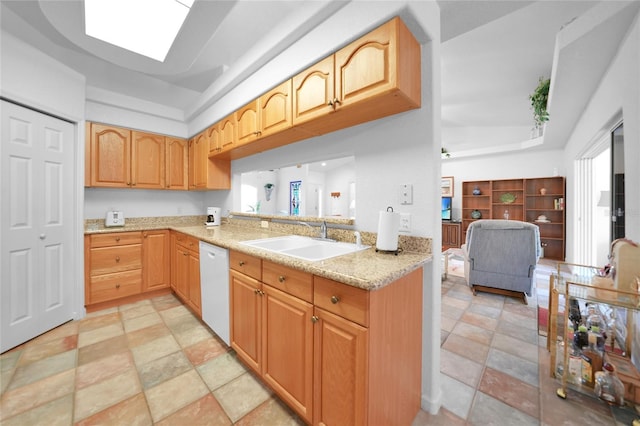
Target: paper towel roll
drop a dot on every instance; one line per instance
(388, 227)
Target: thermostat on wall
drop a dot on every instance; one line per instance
(114, 218)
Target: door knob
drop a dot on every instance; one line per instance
(43, 236)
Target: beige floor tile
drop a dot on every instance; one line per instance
(102, 349)
(193, 335)
(32, 395)
(9, 360)
(447, 323)
(137, 311)
(526, 350)
(155, 349)
(174, 394)
(467, 348)
(473, 332)
(44, 368)
(172, 313)
(157, 371)
(99, 334)
(67, 329)
(460, 368)
(242, 395)
(104, 394)
(221, 370)
(36, 352)
(479, 320)
(96, 371)
(58, 412)
(204, 411)
(92, 323)
(205, 350)
(130, 412)
(142, 321)
(271, 412)
(147, 334)
(134, 305)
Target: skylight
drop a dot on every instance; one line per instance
(146, 27)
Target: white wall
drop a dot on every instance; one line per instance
(617, 94)
(518, 164)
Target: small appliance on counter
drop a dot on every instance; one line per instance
(114, 218)
(213, 216)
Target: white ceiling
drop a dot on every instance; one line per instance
(493, 53)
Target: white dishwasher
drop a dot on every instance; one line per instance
(214, 282)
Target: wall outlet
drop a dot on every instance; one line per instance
(405, 222)
(405, 193)
(264, 224)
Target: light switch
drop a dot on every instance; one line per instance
(405, 193)
(405, 222)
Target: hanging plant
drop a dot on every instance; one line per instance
(539, 99)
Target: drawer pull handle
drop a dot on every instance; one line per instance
(241, 263)
(314, 319)
(145, 235)
(117, 239)
(185, 254)
(335, 299)
(117, 285)
(255, 291)
(117, 258)
(281, 278)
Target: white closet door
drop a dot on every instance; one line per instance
(36, 229)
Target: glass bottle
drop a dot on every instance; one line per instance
(608, 386)
(596, 327)
(506, 215)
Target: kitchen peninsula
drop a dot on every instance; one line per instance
(348, 352)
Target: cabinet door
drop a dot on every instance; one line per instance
(155, 260)
(173, 270)
(313, 92)
(287, 357)
(364, 67)
(275, 109)
(245, 318)
(213, 134)
(199, 161)
(147, 160)
(194, 283)
(177, 164)
(110, 156)
(228, 134)
(182, 273)
(340, 368)
(248, 125)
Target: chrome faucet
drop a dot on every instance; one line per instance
(323, 230)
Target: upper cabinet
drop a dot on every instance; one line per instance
(147, 160)
(110, 156)
(177, 164)
(373, 77)
(124, 158)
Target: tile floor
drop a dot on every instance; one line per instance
(153, 362)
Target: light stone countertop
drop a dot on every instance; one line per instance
(367, 269)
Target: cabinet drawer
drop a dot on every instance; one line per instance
(113, 286)
(188, 242)
(349, 302)
(107, 260)
(247, 264)
(292, 281)
(116, 239)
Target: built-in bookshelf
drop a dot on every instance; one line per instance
(536, 200)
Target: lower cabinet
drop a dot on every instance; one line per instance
(185, 270)
(336, 354)
(119, 265)
(451, 235)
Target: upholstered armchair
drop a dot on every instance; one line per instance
(501, 257)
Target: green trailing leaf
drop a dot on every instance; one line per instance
(539, 99)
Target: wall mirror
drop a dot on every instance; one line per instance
(323, 189)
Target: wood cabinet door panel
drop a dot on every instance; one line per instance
(364, 67)
(245, 318)
(287, 357)
(113, 286)
(177, 164)
(194, 283)
(105, 260)
(147, 160)
(313, 90)
(182, 273)
(228, 132)
(247, 122)
(213, 134)
(275, 109)
(155, 260)
(111, 156)
(341, 299)
(340, 368)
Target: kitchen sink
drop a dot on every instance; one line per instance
(305, 248)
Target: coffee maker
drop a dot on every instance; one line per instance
(213, 216)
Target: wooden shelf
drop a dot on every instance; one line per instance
(529, 205)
